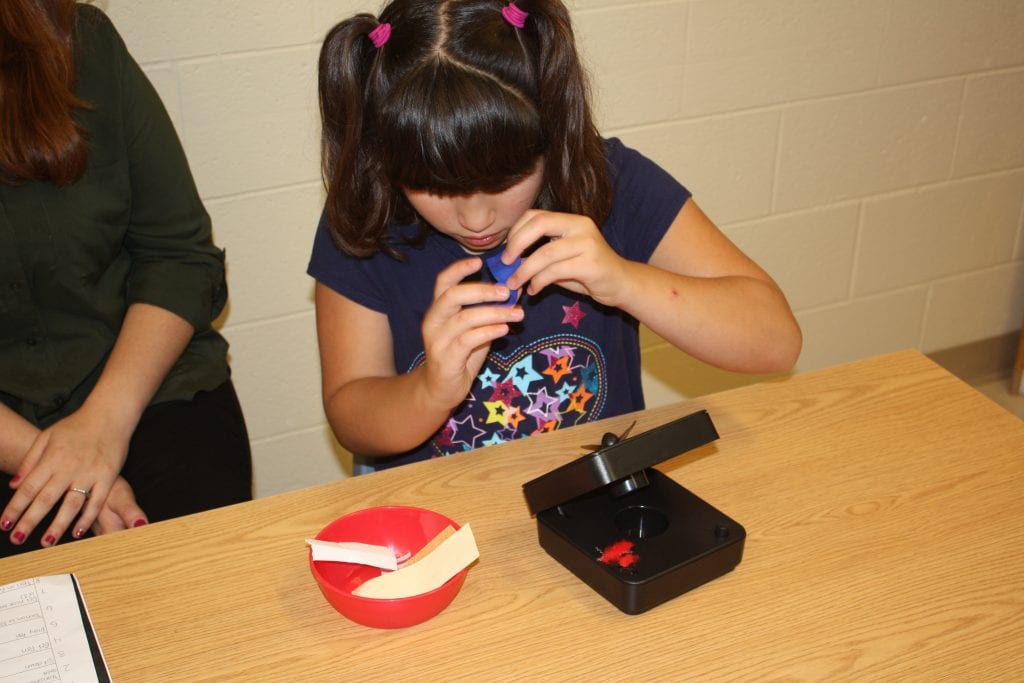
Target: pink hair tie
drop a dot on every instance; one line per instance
(514, 15)
(380, 35)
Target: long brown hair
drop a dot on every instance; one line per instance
(39, 139)
(458, 100)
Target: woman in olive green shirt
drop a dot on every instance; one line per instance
(116, 406)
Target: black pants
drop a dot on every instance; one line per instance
(184, 457)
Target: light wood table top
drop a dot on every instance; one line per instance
(884, 507)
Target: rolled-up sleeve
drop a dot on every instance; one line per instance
(174, 263)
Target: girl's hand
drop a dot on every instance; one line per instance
(120, 511)
(575, 256)
(457, 333)
(82, 451)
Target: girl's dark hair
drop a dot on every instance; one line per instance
(39, 139)
(457, 101)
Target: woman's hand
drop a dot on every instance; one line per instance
(575, 256)
(457, 331)
(73, 464)
(81, 453)
(120, 511)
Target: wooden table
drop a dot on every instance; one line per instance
(884, 506)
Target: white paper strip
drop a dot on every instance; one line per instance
(357, 553)
(456, 553)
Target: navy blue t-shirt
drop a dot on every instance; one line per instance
(569, 361)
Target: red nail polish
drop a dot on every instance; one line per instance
(49, 539)
(17, 537)
(139, 522)
(15, 479)
(6, 525)
(79, 532)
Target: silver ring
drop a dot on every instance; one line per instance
(84, 492)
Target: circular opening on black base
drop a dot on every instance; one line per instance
(641, 522)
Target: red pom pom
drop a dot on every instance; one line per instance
(616, 550)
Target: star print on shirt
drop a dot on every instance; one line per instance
(559, 368)
(496, 412)
(523, 375)
(506, 392)
(513, 417)
(543, 406)
(488, 377)
(578, 399)
(465, 432)
(573, 315)
(554, 382)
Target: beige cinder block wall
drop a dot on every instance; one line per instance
(869, 153)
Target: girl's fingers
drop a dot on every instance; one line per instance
(476, 337)
(455, 299)
(454, 274)
(534, 226)
(452, 295)
(531, 227)
(459, 327)
(456, 303)
(450, 345)
(546, 265)
(470, 318)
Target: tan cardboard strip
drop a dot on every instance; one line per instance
(429, 547)
(453, 555)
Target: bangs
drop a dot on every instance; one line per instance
(464, 133)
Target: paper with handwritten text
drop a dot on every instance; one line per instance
(45, 633)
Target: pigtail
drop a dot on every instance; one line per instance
(577, 168)
(359, 205)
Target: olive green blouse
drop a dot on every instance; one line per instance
(132, 229)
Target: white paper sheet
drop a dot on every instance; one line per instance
(43, 633)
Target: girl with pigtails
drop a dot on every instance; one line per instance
(484, 257)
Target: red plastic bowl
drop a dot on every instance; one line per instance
(404, 530)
